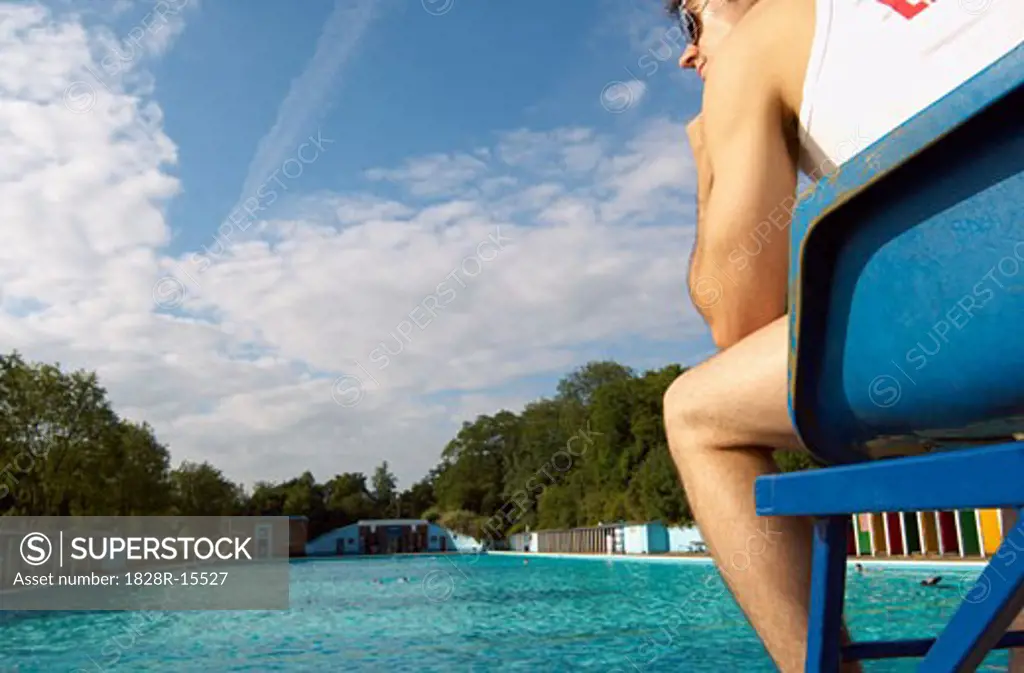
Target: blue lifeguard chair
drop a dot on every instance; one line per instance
(907, 331)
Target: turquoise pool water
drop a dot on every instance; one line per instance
(470, 614)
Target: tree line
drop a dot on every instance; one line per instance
(593, 452)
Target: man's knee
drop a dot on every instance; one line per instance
(684, 410)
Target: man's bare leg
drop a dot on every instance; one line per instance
(723, 419)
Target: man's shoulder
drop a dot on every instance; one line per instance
(767, 52)
(771, 24)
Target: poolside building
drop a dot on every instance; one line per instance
(990, 523)
(911, 533)
(390, 536)
(927, 524)
(949, 536)
(647, 538)
(894, 533)
(602, 539)
(971, 533)
(610, 538)
(298, 530)
(862, 534)
(616, 538)
(970, 543)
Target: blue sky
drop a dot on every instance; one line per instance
(520, 167)
(417, 84)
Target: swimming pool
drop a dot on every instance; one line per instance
(471, 614)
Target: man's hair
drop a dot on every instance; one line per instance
(673, 7)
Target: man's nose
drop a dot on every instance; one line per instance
(689, 58)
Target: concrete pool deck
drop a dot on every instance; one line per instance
(705, 559)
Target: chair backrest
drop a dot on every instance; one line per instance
(907, 281)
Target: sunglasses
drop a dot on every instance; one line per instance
(690, 23)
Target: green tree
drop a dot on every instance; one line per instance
(417, 499)
(140, 469)
(348, 499)
(304, 496)
(384, 483)
(597, 451)
(594, 452)
(200, 489)
(475, 464)
(266, 499)
(580, 385)
(463, 521)
(61, 444)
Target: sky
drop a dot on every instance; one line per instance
(317, 236)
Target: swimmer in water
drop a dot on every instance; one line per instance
(931, 581)
(859, 568)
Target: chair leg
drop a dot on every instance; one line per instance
(986, 611)
(828, 588)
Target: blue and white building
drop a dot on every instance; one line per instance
(390, 536)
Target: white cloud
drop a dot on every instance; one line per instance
(618, 96)
(434, 175)
(572, 151)
(532, 253)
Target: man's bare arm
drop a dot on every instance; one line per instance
(695, 133)
(741, 258)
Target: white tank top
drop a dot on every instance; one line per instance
(874, 64)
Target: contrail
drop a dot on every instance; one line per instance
(307, 98)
